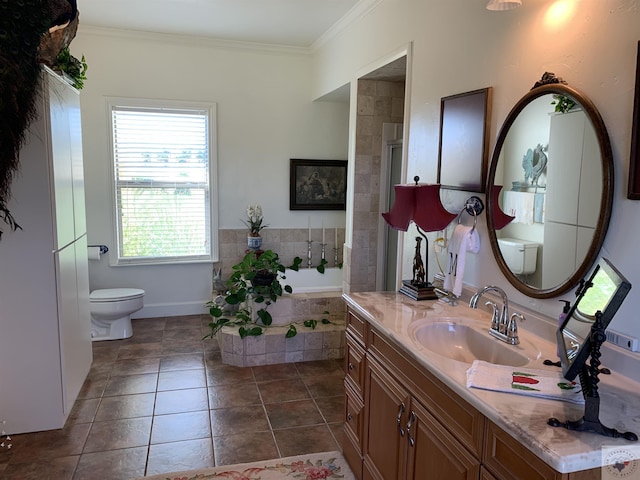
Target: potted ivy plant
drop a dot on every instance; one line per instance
(256, 280)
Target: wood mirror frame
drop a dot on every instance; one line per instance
(606, 201)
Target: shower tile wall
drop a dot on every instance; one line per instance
(378, 102)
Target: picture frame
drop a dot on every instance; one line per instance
(318, 184)
(633, 189)
(463, 152)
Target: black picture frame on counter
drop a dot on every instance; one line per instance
(463, 153)
(633, 190)
(318, 184)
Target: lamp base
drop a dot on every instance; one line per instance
(425, 291)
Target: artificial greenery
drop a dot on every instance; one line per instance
(563, 103)
(74, 68)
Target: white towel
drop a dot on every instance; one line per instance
(523, 381)
(519, 205)
(464, 239)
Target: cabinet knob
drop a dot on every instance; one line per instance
(349, 417)
(351, 366)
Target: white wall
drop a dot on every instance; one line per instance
(459, 46)
(265, 117)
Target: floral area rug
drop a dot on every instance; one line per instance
(316, 466)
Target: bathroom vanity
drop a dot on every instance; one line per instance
(409, 414)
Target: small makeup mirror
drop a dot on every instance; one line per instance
(603, 292)
(580, 338)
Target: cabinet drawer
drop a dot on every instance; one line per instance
(353, 416)
(458, 416)
(507, 458)
(356, 326)
(354, 364)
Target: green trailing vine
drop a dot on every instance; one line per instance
(74, 68)
(563, 103)
(257, 278)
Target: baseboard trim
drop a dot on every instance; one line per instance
(171, 310)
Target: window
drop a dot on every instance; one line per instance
(163, 158)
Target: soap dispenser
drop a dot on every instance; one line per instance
(562, 317)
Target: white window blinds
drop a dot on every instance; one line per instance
(161, 159)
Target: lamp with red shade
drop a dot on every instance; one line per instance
(421, 204)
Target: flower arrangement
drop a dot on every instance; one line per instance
(254, 214)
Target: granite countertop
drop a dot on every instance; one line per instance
(524, 417)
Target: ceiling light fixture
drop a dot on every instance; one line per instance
(499, 5)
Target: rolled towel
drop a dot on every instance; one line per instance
(523, 381)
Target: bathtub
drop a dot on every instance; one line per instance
(309, 280)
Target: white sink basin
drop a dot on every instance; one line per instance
(465, 344)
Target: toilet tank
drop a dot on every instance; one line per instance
(520, 255)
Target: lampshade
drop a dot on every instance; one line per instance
(500, 219)
(401, 212)
(497, 5)
(420, 203)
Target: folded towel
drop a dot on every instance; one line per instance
(520, 205)
(523, 381)
(464, 239)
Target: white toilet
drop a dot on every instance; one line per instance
(520, 255)
(111, 310)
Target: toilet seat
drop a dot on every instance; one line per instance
(107, 295)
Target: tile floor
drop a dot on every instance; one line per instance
(162, 401)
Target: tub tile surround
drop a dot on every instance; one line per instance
(324, 342)
(288, 243)
(524, 417)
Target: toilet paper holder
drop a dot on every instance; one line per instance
(103, 248)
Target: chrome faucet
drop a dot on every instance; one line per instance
(503, 327)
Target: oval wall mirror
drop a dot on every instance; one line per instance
(552, 171)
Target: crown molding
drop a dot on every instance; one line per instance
(191, 40)
(359, 10)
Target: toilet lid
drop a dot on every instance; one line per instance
(115, 294)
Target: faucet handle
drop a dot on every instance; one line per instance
(495, 318)
(512, 329)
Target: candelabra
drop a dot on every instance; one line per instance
(309, 256)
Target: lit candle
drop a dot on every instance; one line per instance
(309, 223)
(336, 240)
(323, 240)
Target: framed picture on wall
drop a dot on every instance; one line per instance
(464, 140)
(633, 191)
(318, 184)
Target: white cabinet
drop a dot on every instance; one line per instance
(574, 193)
(45, 334)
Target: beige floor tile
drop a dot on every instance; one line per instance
(112, 465)
(177, 456)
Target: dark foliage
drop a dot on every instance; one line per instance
(22, 23)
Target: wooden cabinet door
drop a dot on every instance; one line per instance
(386, 406)
(433, 453)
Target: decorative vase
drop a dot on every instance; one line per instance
(254, 241)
